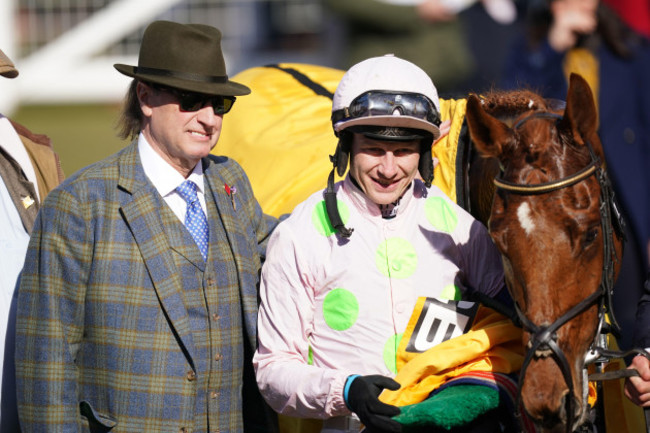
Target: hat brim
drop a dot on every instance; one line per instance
(7, 67)
(391, 121)
(229, 88)
(8, 71)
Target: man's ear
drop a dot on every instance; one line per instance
(144, 93)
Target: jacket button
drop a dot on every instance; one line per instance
(215, 317)
(218, 357)
(191, 376)
(183, 430)
(214, 394)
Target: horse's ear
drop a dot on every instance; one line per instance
(490, 136)
(580, 114)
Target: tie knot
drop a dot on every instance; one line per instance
(187, 190)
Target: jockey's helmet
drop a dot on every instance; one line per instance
(384, 98)
(390, 99)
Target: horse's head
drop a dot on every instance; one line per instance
(546, 221)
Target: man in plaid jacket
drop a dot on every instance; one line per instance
(127, 320)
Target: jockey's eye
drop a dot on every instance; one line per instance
(374, 151)
(404, 151)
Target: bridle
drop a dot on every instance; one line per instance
(543, 338)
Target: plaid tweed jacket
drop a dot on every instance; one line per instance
(103, 338)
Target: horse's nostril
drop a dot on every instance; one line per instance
(576, 413)
(563, 414)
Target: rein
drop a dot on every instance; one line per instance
(544, 338)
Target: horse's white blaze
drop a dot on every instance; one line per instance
(525, 218)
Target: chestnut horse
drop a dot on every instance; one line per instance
(554, 220)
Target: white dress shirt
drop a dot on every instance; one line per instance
(13, 235)
(166, 179)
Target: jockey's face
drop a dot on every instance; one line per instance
(384, 169)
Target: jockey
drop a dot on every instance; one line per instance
(348, 271)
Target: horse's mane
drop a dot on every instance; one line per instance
(509, 104)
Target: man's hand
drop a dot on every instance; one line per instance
(435, 11)
(363, 400)
(637, 388)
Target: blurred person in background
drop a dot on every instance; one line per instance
(438, 35)
(608, 43)
(138, 301)
(29, 169)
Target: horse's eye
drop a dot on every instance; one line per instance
(589, 237)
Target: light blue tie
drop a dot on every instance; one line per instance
(195, 219)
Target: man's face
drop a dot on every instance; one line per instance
(182, 138)
(384, 169)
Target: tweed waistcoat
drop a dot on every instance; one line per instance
(213, 306)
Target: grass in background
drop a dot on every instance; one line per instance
(81, 134)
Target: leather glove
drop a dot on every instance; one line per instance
(363, 400)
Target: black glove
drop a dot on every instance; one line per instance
(363, 400)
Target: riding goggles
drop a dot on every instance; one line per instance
(381, 103)
(192, 101)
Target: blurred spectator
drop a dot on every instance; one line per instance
(613, 54)
(29, 169)
(427, 32)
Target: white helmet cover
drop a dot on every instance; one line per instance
(386, 73)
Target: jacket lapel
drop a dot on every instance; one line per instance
(140, 205)
(225, 210)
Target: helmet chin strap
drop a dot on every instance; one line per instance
(332, 208)
(425, 166)
(340, 164)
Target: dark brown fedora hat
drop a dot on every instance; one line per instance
(183, 56)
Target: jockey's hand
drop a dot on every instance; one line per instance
(637, 388)
(363, 400)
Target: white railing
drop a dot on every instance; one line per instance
(76, 65)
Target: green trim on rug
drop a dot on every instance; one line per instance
(452, 407)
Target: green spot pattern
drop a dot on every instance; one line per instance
(441, 214)
(322, 222)
(451, 293)
(340, 309)
(390, 352)
(396, 258)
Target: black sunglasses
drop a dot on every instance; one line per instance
(192, 101)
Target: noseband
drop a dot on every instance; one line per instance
(544, 338)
